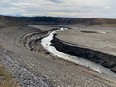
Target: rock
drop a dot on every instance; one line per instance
(114, 69)
(2, 78)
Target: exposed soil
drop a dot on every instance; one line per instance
(106, 60)
(32, 66)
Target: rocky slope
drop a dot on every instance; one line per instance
(38, 69)
(33, 67)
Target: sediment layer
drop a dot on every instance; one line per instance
(104, 59)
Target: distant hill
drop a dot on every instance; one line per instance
(14, 21)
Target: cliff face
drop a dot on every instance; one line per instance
(106, 60)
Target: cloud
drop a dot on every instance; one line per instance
(62, 8)
(108, 7)
(56, 1)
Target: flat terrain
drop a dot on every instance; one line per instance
(22, 54)
(97, 38)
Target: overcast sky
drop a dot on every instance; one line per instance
(59, 8)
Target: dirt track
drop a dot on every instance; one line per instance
(39, 69)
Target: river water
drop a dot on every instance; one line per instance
(46, 43)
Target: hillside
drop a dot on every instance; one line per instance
(12, 21)
(31, 65)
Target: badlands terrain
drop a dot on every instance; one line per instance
(32, 65)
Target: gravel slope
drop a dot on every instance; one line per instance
(39, 69)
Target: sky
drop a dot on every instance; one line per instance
(59, 8)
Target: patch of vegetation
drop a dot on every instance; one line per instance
(6, 78)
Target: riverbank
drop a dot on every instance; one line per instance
(71, 53)
(36, 68)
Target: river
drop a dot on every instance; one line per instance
(46, 43)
